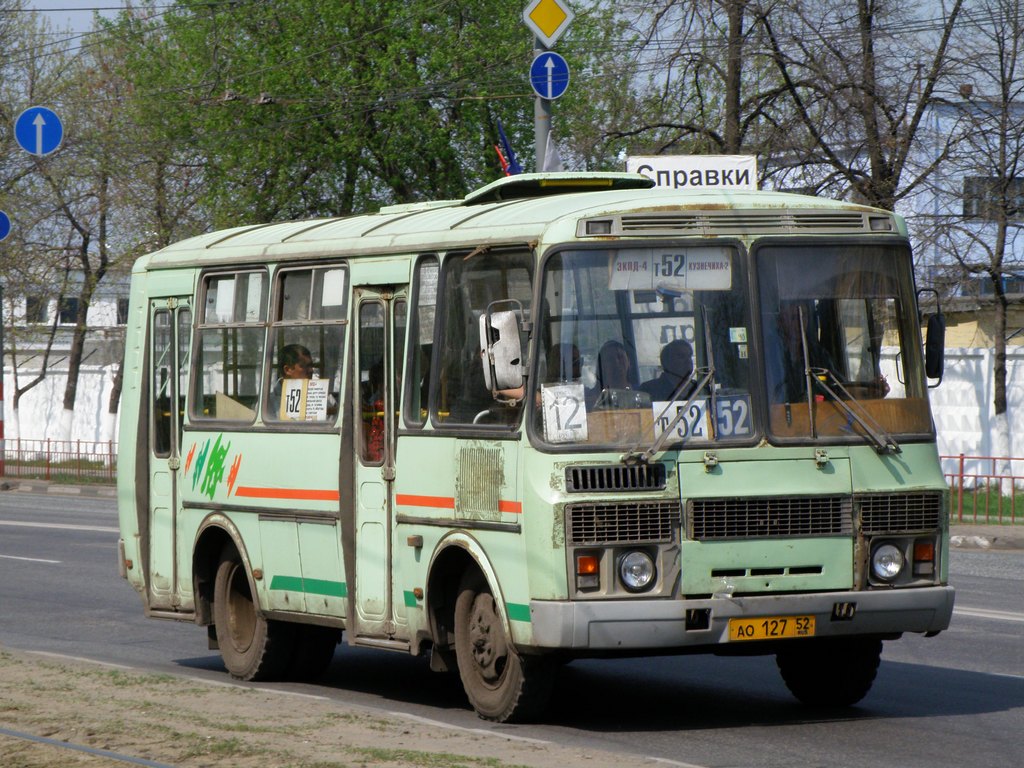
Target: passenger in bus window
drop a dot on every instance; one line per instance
(296, 363)
(563, 363)
(613, 366)
(676, 368)
(372, 395)
(788, 380)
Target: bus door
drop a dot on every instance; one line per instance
(380, 344)
(170, 323)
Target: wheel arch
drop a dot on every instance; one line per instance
(454, 555)
(215, 532)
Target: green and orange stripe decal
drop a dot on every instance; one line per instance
(448, 502)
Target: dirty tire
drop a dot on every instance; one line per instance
(252, 647)
(501, 684)
(313, 652)
(830, 673)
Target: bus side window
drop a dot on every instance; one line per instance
(307, 331)
(229, 346)
(163, 360)
(471, 283)
(421, 348)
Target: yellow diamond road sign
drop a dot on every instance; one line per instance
(548, 19)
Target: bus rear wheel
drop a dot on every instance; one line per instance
(252, 647)
(501, 684)
(830, 672)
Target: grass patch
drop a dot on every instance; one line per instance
(987, 504)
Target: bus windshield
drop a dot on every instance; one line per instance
(830, 316)
(632, 337)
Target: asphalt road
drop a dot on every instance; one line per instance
(953, 700)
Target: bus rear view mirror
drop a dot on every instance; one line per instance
(934, 339)
(934, 347)
(501, 349)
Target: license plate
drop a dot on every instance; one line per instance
(771, 628)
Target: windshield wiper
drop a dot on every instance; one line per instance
(881, 440)
(634, 454)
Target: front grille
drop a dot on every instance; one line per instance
(741, 518)
(615, 477)
(622, 523)
(899, 513)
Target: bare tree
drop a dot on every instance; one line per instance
(710, 84)
(981, 197)
(862, 78)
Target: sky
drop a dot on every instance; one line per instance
(76, 14)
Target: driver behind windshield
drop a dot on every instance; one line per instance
(676, 368)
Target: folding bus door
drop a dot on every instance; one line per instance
(380, 340)
(170, 323)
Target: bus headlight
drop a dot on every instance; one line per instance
(636, 570)
(887, 561)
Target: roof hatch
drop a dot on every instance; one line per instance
(526, 185)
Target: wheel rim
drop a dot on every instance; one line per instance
(487, 641)
(241, 611)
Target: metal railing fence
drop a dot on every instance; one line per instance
(985, 489)
(81, 461)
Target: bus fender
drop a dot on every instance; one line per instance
(453, 554)
(214, 532)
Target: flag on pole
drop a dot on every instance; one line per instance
(502, 160)
(552, 160)
(513, 167)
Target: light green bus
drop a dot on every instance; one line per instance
(570, 415)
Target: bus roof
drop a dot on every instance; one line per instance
(520, 209)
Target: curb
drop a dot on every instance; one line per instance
(58, 489)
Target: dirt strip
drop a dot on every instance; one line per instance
(181, 721)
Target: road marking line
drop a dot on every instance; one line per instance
(61, 526)
(66, 657)
(29, 559)
(983, 613)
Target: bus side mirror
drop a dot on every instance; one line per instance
(501, 350)
(934, 347)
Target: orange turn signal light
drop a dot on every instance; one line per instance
(924, 551)
(586, 564)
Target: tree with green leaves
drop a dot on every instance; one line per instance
(301, 108)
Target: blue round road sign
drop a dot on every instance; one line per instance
(38, 131)
(5, 225)
(549, 75)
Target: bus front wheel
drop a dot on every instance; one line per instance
(501, 684)
(252, 647)
(830, 672)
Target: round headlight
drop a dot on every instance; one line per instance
(887, 562)
(636, 569)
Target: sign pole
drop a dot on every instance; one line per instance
(3, 445)
(541, 116)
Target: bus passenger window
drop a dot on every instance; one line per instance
(471, 283)
(421, 329)
(229, 349)
(163, 362)
(371, 382)
(307, 331)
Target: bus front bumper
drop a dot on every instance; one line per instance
(647, 624)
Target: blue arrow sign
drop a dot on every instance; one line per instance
(38, 131)
(5, 225)
(549, 75)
